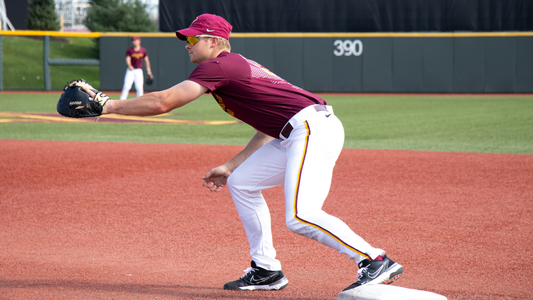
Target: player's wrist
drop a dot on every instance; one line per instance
(229, 166)
(108, 107)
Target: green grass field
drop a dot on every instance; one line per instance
(491, 124)
(436, 123)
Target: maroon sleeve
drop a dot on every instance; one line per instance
(210, 75)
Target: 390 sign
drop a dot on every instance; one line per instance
(348, 48)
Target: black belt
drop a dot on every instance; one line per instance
(287, 129)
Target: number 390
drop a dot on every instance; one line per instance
(348, 48)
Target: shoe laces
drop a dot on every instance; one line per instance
(250, 269)
(360, 272)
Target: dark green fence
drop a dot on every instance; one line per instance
(375, 63)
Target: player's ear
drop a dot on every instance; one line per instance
(215, 41)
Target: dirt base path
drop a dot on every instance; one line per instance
(84, 220)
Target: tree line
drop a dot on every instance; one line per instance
(103, 15)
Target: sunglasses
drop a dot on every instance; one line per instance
(195, 39)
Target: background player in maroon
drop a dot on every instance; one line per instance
(297, 143)
(135, 56)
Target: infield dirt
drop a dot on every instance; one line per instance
(94, 220)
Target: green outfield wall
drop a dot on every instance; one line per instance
(495, 62)
(396, 63)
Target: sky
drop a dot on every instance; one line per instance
(152, 7)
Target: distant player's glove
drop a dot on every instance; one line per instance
(149, 80)
(75, 102)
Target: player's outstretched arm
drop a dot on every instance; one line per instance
(156, 103)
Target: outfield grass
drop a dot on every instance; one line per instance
(23, 62)
(435, 123)
(439, 123)
(493, 124)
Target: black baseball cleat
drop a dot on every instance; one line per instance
(257, 278)
(377, 272)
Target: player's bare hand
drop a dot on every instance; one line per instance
(96, 95)
(89, 91)
(217, 178)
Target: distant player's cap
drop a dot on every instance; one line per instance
(206, 24)
(136, 38)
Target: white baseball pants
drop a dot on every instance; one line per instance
(135, 75)
(304, 163)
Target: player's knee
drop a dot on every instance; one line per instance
(294, 224)
(302, 224)
(234, 182)
(231, 182)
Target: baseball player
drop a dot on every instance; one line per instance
(134, 73)
(297, 143)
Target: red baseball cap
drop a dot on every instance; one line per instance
(135, 38)
(206, 24)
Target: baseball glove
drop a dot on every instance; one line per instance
(149, 80)
(75, 102)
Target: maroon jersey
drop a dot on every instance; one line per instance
(251, 93)
(137, 57)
